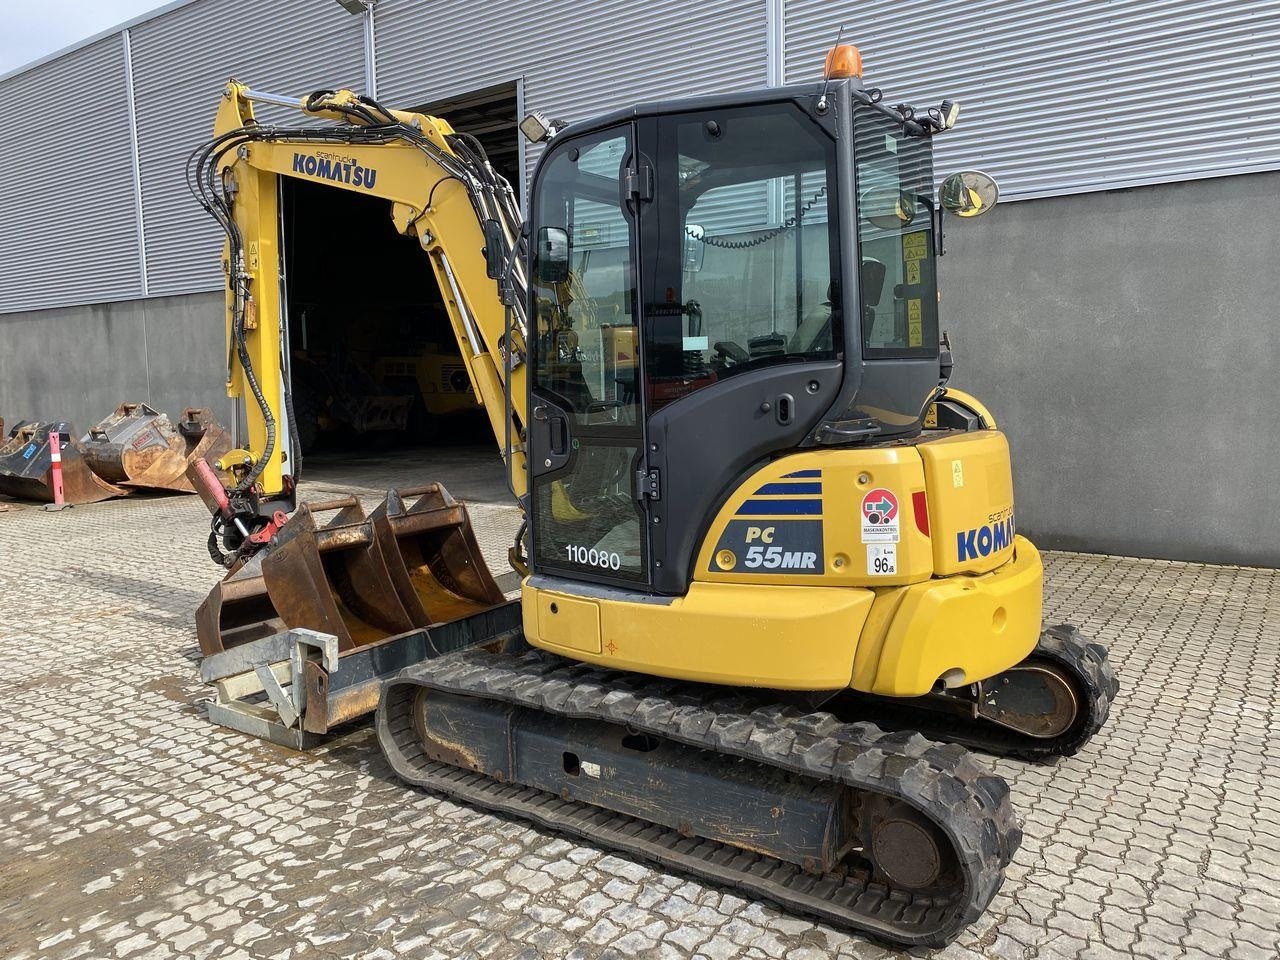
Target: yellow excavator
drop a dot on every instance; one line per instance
(771, 587)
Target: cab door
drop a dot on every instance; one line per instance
(586, 431)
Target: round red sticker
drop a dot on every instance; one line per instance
(879, 506)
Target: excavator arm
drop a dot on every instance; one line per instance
(442, 191)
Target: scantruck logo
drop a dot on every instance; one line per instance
(338, 169)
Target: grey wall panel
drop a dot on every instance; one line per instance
(1074, 95)
(80, 362)
(181, 61)
(1126, 342)
(68, 233)
(577, 59)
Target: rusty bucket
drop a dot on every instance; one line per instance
(360, 577)
(26, 465)
(137, 446)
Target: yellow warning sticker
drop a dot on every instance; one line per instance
(915, 330)
(913, 272)
(931, 417)
(915, 246)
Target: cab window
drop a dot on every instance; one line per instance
(898, 286)
(742, 272)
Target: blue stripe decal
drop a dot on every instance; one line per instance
(802, 474)
(759, 508)
(774, 489)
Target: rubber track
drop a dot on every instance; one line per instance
(968, 802)
(1066, 647)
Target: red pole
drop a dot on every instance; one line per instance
(55, 458)
(55, 455)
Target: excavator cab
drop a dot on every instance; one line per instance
(714, 281)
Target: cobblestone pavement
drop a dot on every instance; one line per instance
(130, 827)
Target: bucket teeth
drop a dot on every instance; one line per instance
(26, 465)
(361, 578)
(137, 446)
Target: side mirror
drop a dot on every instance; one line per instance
(694, 248)
(551, 257)
(969, 193)
(495, 249)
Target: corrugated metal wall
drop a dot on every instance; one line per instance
(1075, 95)
(1059, 97)
(68, 232)
(181, 61)
(577, 59)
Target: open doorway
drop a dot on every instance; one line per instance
(489, 115)
(373, 362)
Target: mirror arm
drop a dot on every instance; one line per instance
(935, 212)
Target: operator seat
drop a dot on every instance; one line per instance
(815, 326)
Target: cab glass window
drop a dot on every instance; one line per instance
(895, 238)
(586, 340)
(742, 271)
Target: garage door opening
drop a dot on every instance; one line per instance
(489, 115)
(373, 361)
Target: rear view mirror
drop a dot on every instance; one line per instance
(495, 249)
(551, 258)
(969, 193)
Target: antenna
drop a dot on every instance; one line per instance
(822, 100)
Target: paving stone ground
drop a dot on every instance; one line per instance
(131, 827)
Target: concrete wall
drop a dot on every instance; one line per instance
(1128, 341)
(1125, 340)
(81, 362)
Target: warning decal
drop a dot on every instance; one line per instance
(880, 517)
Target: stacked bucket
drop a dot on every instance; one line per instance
(135, 448)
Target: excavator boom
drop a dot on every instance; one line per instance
(442, 191)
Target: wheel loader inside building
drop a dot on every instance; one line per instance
(757, 517)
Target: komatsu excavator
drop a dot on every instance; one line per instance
(767, 546)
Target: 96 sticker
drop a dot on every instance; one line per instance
(882, 559)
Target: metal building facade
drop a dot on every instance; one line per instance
(573, 63)
(1072, 96)
(181, 61)
(68, 219)
(1059, 98)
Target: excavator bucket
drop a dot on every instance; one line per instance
(138, 447)
(361, 578)
(26, 466)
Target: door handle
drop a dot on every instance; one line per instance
(559, 436)
(785, 408)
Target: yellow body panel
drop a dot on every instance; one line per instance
(569, 623)
(958, 630)
(821, 533)
(757, 535)
(794, 638)
(970, 501)
(784, 593)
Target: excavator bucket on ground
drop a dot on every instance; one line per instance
(138, 447)
(359, 577)
(26, 466)
(388, 589)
